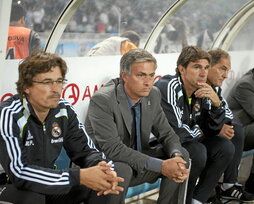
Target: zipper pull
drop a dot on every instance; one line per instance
(44, 128)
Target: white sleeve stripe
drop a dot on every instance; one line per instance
(172, 100)
(193, 133)
(14, 152)
(45, 182)
(89, 140)
(228, 112)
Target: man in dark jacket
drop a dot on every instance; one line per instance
(197, 117)
(230, 189)
(240, 100)
(35, 125)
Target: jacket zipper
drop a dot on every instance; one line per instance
(44, 128)
(43, 141)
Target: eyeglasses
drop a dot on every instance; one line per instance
(49, 82)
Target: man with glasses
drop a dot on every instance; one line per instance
(35, 125)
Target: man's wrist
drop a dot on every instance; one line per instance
(217, 104)
(176, 154)
(154, 164)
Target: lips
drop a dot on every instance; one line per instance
(201, 81)
(55, 96)
(146, 90)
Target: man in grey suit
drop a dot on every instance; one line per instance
(240, 101)
(121, 117)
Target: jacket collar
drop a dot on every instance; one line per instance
(29, 111)
(124, 106)
(125, 110)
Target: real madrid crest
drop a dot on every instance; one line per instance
(56, 130)
(196, 106)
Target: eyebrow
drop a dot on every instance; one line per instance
(146, 73)
(228, 68)
(200, 65)
(52, 79)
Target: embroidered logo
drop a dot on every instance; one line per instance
(29, 139)
(196, 107)
(56, 130)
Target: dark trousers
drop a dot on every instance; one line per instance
(249, 143)
(210, 157)
(249, 137)
(9, 193)
(170, 192)
(231, 172)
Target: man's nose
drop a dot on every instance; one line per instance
(203, 72)
(148, 80)
(225, 74)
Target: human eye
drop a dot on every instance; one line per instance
(197, 66)
(60, 81)
(141, 75)
(152, 75)
(224, 69)
(63, 81)
(207, 67)
(47, 82)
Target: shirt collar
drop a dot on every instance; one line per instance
(130, 102)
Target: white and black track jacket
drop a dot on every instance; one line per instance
(190, 118)
(29, 148)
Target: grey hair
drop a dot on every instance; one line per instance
(217, 55)
(136, 55)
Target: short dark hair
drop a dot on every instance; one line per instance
(192, 54)
(17, 12)
(217, 54)
(135, 55)
(132, 36)
(39, 62)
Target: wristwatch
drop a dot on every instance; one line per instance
(176, 154)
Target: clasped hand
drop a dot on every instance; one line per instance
(175, 169)
(101, 178)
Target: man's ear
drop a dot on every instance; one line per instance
(181, 69)
(123, 75)
(27, 91)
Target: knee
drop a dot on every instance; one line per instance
(123, 170)
(198, 155)
(238, 134)
(227, 149)
(199, 160)
(185, 154)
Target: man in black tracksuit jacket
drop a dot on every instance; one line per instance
(218, 72)
(197, 119)
(34, 127)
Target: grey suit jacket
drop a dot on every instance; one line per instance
(241, 98)
(108, 122)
